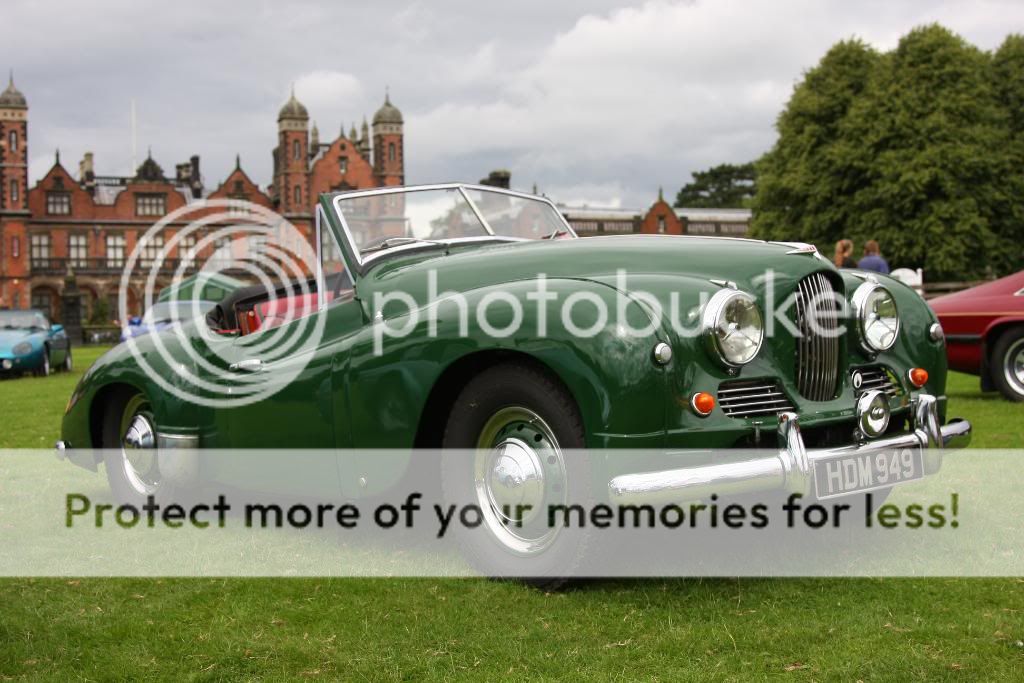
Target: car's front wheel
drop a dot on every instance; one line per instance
(68, 365)
(44, 368)
(1007, 364)
(130, 455)
(506, 444)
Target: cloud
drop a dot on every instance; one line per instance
(330, 96)
(591, 99)
(643, 96)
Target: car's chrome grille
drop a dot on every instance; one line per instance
(817, 361)
(752, 398)
(875, 377)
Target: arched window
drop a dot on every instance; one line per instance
(14, 141)
(14, 191)
(391, 151)
(298, 195)
(296, 150)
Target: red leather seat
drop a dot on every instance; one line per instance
(280, 311)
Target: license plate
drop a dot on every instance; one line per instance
(845, 474)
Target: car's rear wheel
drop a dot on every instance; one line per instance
(130, 455)
(1007, 365)
(512, 426)
(68, 365)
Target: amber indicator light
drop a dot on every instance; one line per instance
(703, 403)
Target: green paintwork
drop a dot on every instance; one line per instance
(348, 397)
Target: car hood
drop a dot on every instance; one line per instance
(11, 338)
(742, 261)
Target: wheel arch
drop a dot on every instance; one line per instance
(450, 383)
(103, 401)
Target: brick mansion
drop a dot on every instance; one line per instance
(88, 224)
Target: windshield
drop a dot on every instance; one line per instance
(511, 215)
(22, 320)
(168, 311)
(381, 221)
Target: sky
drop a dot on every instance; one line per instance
(596, 102)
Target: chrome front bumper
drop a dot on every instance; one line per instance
(791, 468)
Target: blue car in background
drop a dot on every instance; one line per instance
(164, 314)
(29, 343)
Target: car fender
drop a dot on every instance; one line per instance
(611, 375)
(118, 370)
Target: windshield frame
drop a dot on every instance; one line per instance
(363, 262)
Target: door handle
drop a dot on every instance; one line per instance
(248, 365)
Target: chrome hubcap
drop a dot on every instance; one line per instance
(138, 453)
(515, 486)
(519, 471)
(1014, 366)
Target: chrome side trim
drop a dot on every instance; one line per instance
(164, 440)
(790, 469)
(178, 458)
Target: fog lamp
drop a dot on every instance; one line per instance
(872, 413)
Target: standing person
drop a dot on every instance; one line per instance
(844, 254)
(873, 259)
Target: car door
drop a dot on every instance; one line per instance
(299, 412)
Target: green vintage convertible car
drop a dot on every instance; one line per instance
(457, 316)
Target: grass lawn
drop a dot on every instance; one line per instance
(374, 629)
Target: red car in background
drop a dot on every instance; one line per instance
(984, 328)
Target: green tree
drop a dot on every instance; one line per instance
(912, 148)
(100, 312)
(1008, 80)
(930, 144)
(726, 186)
(804, 179)
(1008, 83)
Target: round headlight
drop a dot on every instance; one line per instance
(733, 327)
(877, 318)
(22, 348)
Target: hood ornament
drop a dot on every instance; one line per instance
(799, 247)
